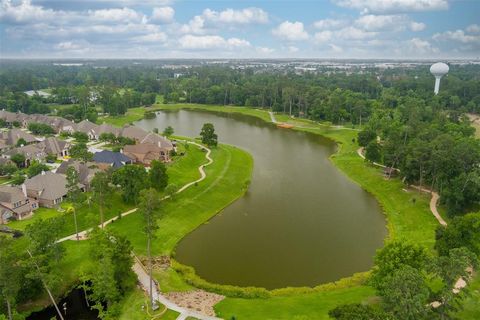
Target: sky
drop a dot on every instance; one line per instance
(149, 29)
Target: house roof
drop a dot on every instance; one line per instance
(117, 159)
(142, 148)
(87, 127)
(12, 136)
(11, 194)
(106, 128)
(158, 140)
(86, 170)
(133, 132)
(49, 185)
(30, 151)
(52, 145)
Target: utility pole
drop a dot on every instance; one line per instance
(45, 285)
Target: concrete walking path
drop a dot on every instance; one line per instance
(144, 280)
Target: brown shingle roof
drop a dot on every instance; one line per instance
(48, 185)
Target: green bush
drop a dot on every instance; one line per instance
(189, 275)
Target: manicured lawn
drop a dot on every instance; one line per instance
(132, 308)
(40, 213)
(132, 115)
(306, 306)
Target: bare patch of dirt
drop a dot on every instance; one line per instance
(198, 300)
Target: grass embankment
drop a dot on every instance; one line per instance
(227, 179)
(133, 304)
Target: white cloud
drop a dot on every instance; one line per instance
(25, 12)
(328, 24)
(67, 45)
(417, 26)
(293, 49)
(352, 33)
(457, 36)
(196, 26)
(265, 50)
(211, 42)
(231, 16)
(323, 36)
(152, 37)
(393, 6)
(115, 15)
(163, 14)
(335, 48)
(473, 28)
(291, 31)
(419, 47)
(396, 22)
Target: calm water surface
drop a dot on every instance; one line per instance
(301, 223)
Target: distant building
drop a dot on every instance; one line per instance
(86, 171)
(12, 136)
(52, 145)
(145, 153)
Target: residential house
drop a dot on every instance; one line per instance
(52, 145)
(31, 152)
(134, 133)
(112, 159)
(106, 128)
(48, 188)
(160, 141)
(86, 170)
(11, 117)
(90, 128)
(12, 136)
(14, 204)
(145, 153)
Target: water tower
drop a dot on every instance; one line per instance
(438, 70)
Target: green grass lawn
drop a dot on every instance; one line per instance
(306, 306)
(133, 114)
(132, 308)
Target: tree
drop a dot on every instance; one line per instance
(36, 168)
(405, 294)
(80, 151)
(18, 159)
(51, 158)
(108, 137)
(132, 178)
(394, 256)
(80, 137)
(149, 205)
(40, 128)
(462, 231)
(8, 169)
(366, 136)
(357, 312)
(10, 273)
(168, 131)
(101, 191)
(74, 194)
(111, 274)
(158, 175)
(21, 142)
(373, 152)
(209, 137)
(17, 178)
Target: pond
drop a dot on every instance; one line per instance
(302, 222)
(73, 307)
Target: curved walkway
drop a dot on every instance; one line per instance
(138, 267)
(433, 200)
